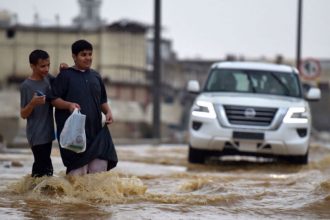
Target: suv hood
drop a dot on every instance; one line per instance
(258, 100)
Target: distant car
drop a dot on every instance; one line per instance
(250, 108)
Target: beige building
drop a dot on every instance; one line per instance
(119, 53)
(119, 46)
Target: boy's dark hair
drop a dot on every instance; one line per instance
(36, 55)
(81, 45)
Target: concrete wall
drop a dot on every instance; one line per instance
(110, 49)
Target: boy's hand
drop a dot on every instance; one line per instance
(108, 118)
(73, 106)
(63, 66)
(38, 100)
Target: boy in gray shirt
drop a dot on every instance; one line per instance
(36, 108)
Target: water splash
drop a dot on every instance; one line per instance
(106, 187)
(195, 184)
(325, 186)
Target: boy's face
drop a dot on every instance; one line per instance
(83, 59)
(41, 68)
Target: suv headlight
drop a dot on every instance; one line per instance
(203, 109)
(296, 115)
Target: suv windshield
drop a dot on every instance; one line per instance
(254, 81)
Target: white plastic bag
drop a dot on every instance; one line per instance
(73, 136)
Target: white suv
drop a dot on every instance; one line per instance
(250, 108)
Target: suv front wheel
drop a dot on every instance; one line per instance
(299, 159)
(196, 155)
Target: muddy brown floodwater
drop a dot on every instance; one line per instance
(156, 182)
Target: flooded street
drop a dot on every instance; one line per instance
(156, 182)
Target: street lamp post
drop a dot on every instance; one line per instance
(298, 55)
(157, 71)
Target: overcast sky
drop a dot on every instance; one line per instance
(209, 29)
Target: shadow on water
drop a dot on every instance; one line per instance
(177, 156)
(248, 164)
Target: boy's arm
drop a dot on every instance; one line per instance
(61, 104)
(28, 109)
(108, 114)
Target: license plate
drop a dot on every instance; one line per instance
(248, 135)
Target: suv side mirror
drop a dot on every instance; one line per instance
(313, 94)
(193, 86)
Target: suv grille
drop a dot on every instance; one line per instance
(248, 115)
